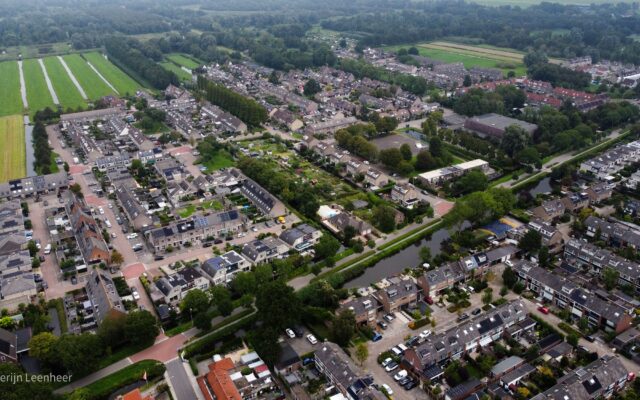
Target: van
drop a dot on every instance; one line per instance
(47, 249)
(402, 347)
(396, 351)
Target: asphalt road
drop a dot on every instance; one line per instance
(179, 380)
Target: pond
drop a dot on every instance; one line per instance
(406, 258)
(544, 186)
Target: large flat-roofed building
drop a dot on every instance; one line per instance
(441, 175)
(495, 125)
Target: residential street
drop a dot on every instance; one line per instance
(179, 381)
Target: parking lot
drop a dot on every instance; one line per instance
(396, 333)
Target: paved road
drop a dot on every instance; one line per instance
(179, 380)
(562, 158)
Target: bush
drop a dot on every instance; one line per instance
(419, 323)
(103, 388)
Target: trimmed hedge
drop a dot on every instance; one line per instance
(103, 388)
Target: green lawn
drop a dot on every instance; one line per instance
(38, 94)
(93, 86)
(187, 211)
(106, 386)
(469, 60)
(120, 80)
(68, 94)
(185, 61)
(10, 100)
(220, 160)
(182, 74)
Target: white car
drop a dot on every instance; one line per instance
(110, 205)
(387, 389)
(132, 235)
(386, 361)
(401, 374)
(425, 334)
(113, 235)
(312, 339)
(101, 210)
(509, 263)
(47, 248)
(290, 333)
(135, 295)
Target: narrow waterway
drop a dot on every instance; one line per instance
(73, 78)
(28, 141)
(52, 91)
(407, 258)
(544, 186)
(23, 86)
(103, 78)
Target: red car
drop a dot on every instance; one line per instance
(543, 310)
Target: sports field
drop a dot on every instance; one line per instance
(184, 61)
(121, 81)
(12, 152)
(38, 95)
(91, 83)
(10, 100)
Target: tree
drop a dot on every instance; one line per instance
(194, 302)
(535, 58)
(531, 241)
(487, 296)
(111, 330)
(244, 283)
(202, 321)
(343, 327)
(384, 218)
(572, 339)
(514, 140)
(141, 327)
(467, 81)
(116, 257)
(23, 389)
(390, 157)
(265, 342)
(425, 254)
(278, 306)
(424, 161)
(326, 247)
(42, 346)
(405, 150)
(33, 248)
(509, 277)
(7, 323)
(349, 233)
(311, 87)
(610, 277)
(79, 354)
(76, 189)
(474, 181)
(544, 258)
(222, 299)
(362, 352)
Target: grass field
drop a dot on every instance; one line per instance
(93, 86)
(221, 160)
(182, 74)
(527, 3)
(10, 100)
(483, 56)
(184, 61)
(38, 94)
(13, 153)
(121, 81)
(35, 51)
(65, 89)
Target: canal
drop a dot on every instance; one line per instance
(28, 139)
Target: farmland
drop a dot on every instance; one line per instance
(13, 152)
(121, 81)
(65, 89)
(93, 86)
(527, 3)
(10, 101)
(38, 95)
(182, 74)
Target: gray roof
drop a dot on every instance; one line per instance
(291, 235)
(506, 365)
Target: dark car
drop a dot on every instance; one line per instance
(476, 311)
(410, 385)
(298, 331)
(590, 338)
(37, 277)
(41, 258)
(208, 244)
(404, 381)
(74, 280)
(463, 317)
(382, 324)
(217, 241)
(158, 258)
(414, 340)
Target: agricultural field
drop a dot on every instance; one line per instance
(67, 92)
(35, 51)
(120, 80)
(10, 101)
(93, 86)
(184, 61)
(38, 95)
(527, 3)
(182, 74)
(13, 153)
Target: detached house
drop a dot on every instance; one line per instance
(364, 310)
(263, 250)
(405, 194)
(301, 237)
(549, 210)
(221, 270)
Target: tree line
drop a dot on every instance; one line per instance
(361, 69)
(248, 110)
(129, 54)
(41, 149)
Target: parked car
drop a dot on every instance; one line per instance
(113, 235)
(404, 381)
(412, 341)
(463, 317)
(476, 311)
(37, 277)
(543, 309)
(387, 361)
(132, 235)
(396, 351)
(312, 339)
(74, 280)
(390, 317)
(101, 210)
(382, 324)
(509, 263)
(135, 294)
(290, 333)
(376, 336)
(410, 385)
(158, 258)
(425, 334)
(588, 338)
(298, 331)
(400, 375)
(47, 248)
(387, 389)
(391, 366)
